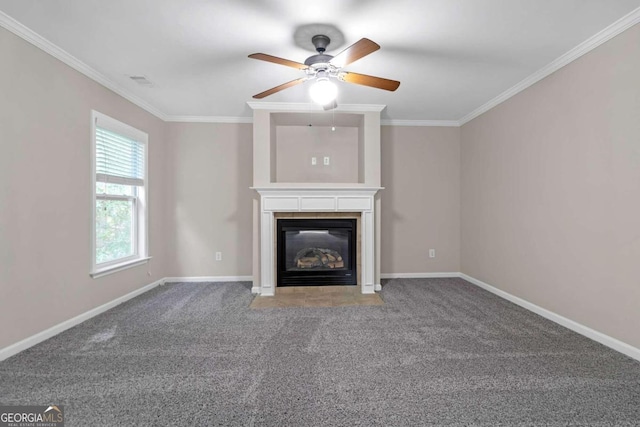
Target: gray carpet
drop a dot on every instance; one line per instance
(439, 352)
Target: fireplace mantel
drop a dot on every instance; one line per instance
(311, 198)
(312, 190)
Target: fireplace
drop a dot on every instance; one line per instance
(278, 203)
(316, 251)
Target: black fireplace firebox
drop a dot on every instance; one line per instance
(316, 252)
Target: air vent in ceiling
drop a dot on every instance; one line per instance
(141, 80)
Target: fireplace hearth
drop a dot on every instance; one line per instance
(316, 252)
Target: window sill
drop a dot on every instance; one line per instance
(118, 267)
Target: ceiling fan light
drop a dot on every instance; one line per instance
(323, 91)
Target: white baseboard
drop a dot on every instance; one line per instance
(61, 327)
(418, 275)
(200, 279)
(603, 339)
(606, 340)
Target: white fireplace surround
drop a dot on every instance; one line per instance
(319, 195)
(316, 199)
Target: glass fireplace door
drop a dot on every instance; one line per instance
(316, 252)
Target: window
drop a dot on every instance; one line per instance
(119, 196)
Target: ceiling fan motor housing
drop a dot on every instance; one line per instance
(320, 42)
(318, 59)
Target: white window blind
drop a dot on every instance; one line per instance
(119, 159)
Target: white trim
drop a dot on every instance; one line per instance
(302, 107)
(40, 42)
(603, 339)
(320, 189)
(418, 275)
(105, 271)
(430, 123)
(61, 327)
(117, 126)
(390, 122)
(201, 279)
(588, 45)
(606, 340)
(141, 254)
(334, 199)
(208, 119)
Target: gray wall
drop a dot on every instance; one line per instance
(421, 199)
(295, 145)
(210, 209)
(45, 192)
(551, 191)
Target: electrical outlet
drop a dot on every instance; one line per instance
(218, 256)
(314, 161)
(326, 161)
(432, 253)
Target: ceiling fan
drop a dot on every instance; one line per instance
(322, 67)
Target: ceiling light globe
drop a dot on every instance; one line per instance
(323, 91)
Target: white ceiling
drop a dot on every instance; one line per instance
(452, 56)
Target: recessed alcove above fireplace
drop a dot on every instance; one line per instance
(304, 142)
(292, 176)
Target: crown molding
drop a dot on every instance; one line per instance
(40, 42)
(430, 123)
(223, 119)
(310, 107)
(587, 46)
(593, 42)
(208, 119)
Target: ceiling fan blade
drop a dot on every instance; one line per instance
(330, 106)
(365, 80)
(359, 49)
(276, 60)
(279, 88)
